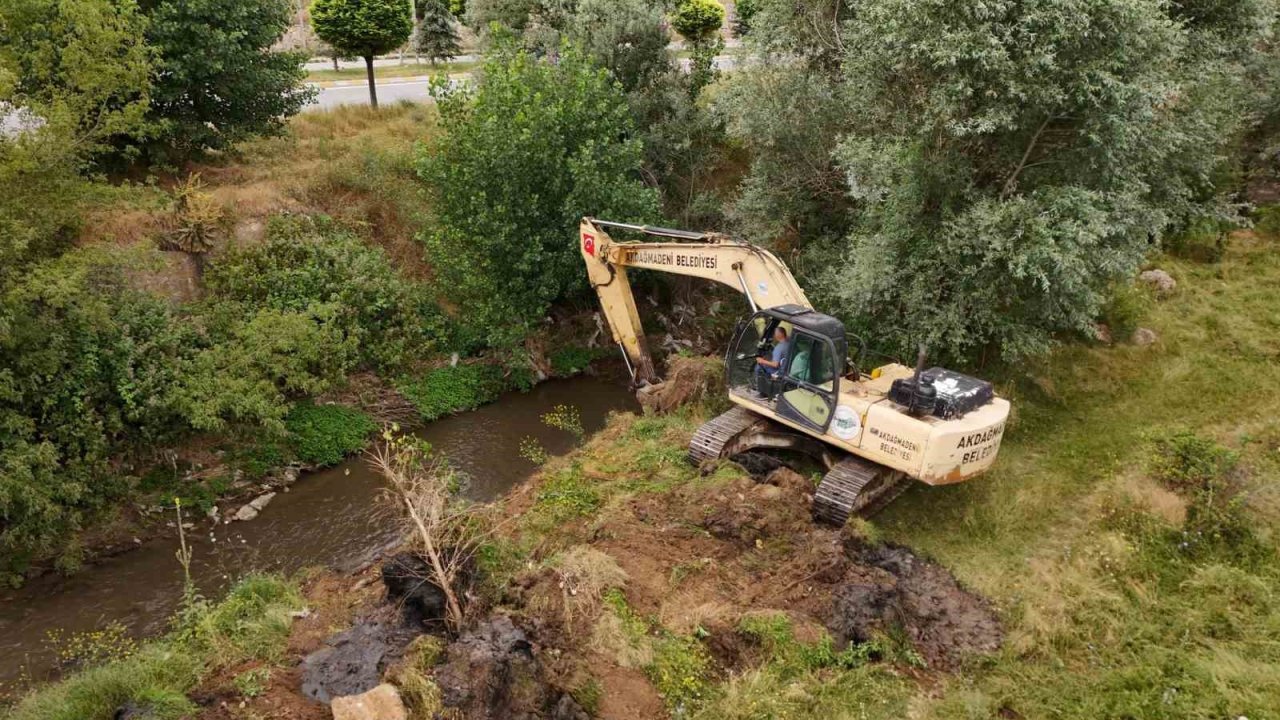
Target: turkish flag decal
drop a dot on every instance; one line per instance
(589, 244)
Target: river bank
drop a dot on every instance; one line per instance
(330, 518)
(1134, 506)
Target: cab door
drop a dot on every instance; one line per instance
(811, 384)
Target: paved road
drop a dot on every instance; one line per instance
(413, 89)
(389, 91)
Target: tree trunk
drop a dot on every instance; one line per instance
(373, 90)
(335, 64)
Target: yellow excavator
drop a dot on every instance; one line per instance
(792, 382)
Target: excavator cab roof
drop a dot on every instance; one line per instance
(811, 320)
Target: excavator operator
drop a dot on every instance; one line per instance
(777, 361)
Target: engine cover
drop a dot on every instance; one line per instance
(953, 394)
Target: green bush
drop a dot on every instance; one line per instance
(1185, 461)
(307, 261)
(524, 155)
(1124, 311)
(569, 361)
(1217, 525)
(1266, 221)
(87, 373)
(697, 20)
(1204, 240)
(449, 390)
(325, 434)
(248, 379)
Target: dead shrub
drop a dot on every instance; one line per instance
(689, 380)
(584, 574)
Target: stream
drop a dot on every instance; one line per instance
(329, 518)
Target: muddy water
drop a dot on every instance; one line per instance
(329, 518)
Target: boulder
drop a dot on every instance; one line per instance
(1143, 337)
(1158, 280)
(381, 703)
(259, 503)
(246, 513)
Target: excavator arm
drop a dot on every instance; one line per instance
(751, 270)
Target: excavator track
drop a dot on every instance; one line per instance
(854, 486)
(711, 440)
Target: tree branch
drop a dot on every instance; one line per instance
(1022, 164)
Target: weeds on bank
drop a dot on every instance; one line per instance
(449, 390)
(251, 624)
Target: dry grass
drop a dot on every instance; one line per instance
(585, 573)
(352, 163)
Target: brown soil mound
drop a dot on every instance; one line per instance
(888, 587)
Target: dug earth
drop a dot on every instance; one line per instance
(593, 611)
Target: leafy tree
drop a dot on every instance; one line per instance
(217, 79)
(363, 28)
(437, 38)
(699, 23)
(627, 37)
(743, 12)
(81, 66)
(697, 20)
(528, 152)
(540, 24)
(1042, 147)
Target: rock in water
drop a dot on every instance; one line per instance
(259, 503)
(380, 703)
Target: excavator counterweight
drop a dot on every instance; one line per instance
(789, 376)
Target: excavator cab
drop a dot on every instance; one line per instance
(805, 388)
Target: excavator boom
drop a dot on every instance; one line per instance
(751, 270)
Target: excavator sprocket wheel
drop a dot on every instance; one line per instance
(855, 486)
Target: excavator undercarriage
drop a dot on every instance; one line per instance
(851, 485)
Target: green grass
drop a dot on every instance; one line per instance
(251, 624)
(450, 390)
(325, 434)
(1077, 536)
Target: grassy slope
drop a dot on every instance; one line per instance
(1070, 536)
(251, 625)
(1095, 629)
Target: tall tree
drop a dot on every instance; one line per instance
(437, 34)
(218, 81)
(699, 23)
(998, 167)
(363, 28)
(534, 147)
